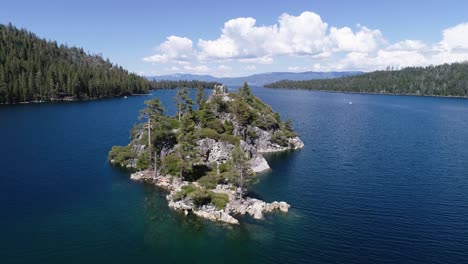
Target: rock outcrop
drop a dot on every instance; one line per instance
(211, 150)
(254, 207)
(259, 163)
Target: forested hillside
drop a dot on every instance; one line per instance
(442, 80)
(33, 69)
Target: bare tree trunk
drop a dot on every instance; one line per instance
(180, 112)
(155, 164)
(180, 169)
(241, 183)
(149, 139)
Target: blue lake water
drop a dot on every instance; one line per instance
(381, 180)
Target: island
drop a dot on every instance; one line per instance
(205, 157)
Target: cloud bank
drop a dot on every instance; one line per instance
(306, 37)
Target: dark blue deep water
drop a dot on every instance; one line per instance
(381, 180)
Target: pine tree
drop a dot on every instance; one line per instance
(153, 112)
(200, 96)
(183, 102)
(154, 109)
(186, 144)
(241, 165)
(245, 92)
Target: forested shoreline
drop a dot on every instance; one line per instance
(34, 69)
(449, 80)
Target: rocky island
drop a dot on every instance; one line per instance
(206, 157)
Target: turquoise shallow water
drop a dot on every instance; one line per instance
(382, 180)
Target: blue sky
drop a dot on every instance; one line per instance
(233, 38)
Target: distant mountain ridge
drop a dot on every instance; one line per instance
(258, 79)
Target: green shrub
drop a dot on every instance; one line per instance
(209, 181)
(227, 166)
(228, 127)
(216, 125)
(219, 200)
(173, 123)
(280, 138)
(288, 128)
(271, 121)
(189, 188)
(121, 154)
(229, 177)
(135, 130)
(229, 138)
(143, 161)
(200, 197)
(179, 195)
(209, 133)
(277, 117)
(186, 191)
(290, 134)
(171, 164)
(265, 121)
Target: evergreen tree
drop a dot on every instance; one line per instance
(242, 167)
(183, 102)
(186, 144)
(154, 109)
(243, 113)
(154, 113)
(245, 92)
(206, 116)
(200, 96)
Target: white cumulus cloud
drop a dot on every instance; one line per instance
(364, 40)
(455, 38)
(173, 50)
(304, 40)
(242, 39)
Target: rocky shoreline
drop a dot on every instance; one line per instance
(251, 206)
